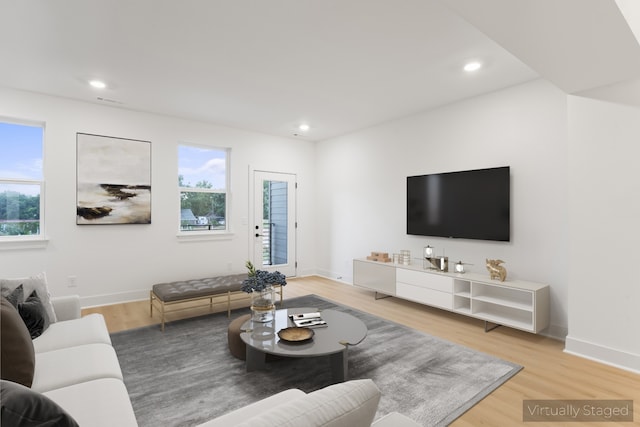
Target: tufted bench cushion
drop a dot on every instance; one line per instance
(178, 291)
(167, 294)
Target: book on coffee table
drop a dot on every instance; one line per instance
(308, 320)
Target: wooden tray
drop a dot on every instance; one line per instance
(295, 334)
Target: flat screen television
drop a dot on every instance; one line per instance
(473, 204)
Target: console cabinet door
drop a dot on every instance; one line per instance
(375, 276)
(425, 288)
(424, 279)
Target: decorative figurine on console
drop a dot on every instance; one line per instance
(496, 271)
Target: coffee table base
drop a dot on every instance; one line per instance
(339, 363)
(333, 341)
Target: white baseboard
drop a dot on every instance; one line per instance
(556, 332)
(305, 273)
(599, 353)
(343, 278)
(324, 273)
(119, 298)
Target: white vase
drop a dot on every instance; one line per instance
(263, 305)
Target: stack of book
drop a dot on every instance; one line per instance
(308, 320)
(379, 256)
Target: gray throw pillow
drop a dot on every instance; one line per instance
(24, 407)
(36, 283)
(33, 315)
(16, 296)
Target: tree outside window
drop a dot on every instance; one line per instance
(203, 184)
(21, 180)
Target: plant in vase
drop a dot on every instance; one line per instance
(259, 284)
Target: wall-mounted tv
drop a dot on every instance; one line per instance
(473, 204)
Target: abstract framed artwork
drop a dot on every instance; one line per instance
(113, 180)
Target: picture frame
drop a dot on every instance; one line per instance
(113, 180)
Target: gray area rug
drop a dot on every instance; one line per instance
(186, 375)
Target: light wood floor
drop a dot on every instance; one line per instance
(548, 372)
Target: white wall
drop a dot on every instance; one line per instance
(120, 262)
(574, 167)
(604, 212)
(362, 185)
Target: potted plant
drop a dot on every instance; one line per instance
(259, 284)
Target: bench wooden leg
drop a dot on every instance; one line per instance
(162, 315)
(163, 307)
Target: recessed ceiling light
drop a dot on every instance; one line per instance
(472, 66)
(304, 127)
(98, 84)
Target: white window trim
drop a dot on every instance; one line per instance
(23, 242)
(199, 235)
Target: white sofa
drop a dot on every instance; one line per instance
(89, 387)
(78, 369)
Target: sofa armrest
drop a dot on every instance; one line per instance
(67, 307)
(349, 404)
(239, 415)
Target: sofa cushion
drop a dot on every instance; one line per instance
(73, 365)
(33, 314)
(22, 406)
(67, 307)
(350, 404)
(36, 283)
(90, 329)
(17, 358)
(98, 403)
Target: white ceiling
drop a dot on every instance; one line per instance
(338, 65)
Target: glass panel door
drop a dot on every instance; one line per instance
(274, 217)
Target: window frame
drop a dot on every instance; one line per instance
(41, 236)
(205, 233)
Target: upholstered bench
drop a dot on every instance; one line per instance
(165, 295)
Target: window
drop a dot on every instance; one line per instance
(21, 180)
(203, 183)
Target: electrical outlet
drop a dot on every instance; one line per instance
(230, 266)
(72, 281)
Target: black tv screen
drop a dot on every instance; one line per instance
(472, 204)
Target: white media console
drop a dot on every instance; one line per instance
(514, 303)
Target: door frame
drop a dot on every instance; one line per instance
(289, 269)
